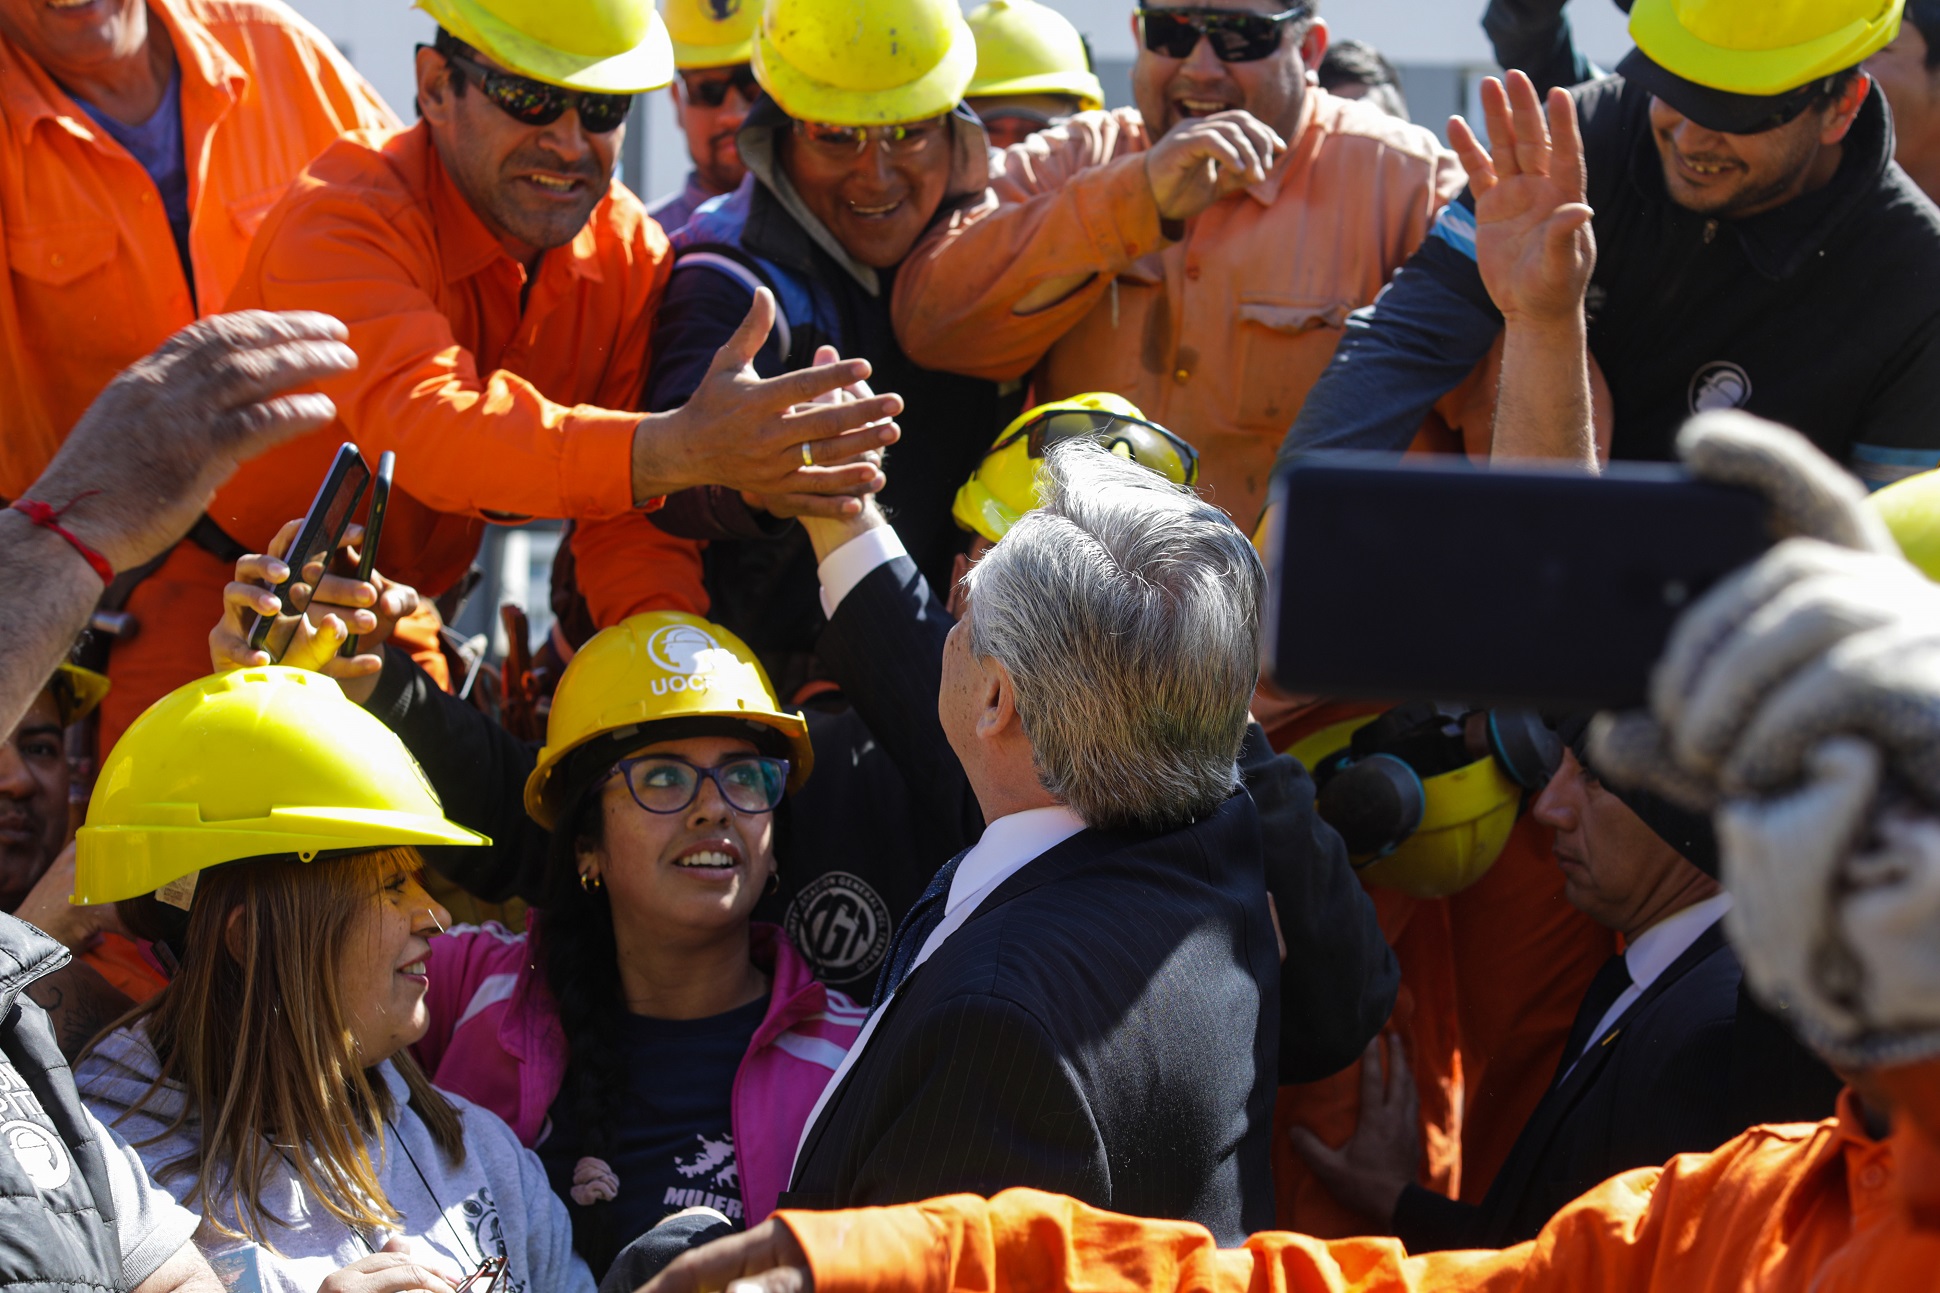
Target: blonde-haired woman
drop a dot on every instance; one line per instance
(269, 1087)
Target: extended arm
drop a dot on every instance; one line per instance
(1423, 335)
(140, 465)
(1339, 980)
(989, 290)
(1534, 37)
(1536, 252)
(884, 647)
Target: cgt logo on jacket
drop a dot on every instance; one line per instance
(1720, 384)
(841, 925)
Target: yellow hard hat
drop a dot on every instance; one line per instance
(602, 46)
(1027, 48)
(1911, 510)
(1757, 49)
(1004, 486)
(651, 668)
(1465, 821)
(77, 691)
(864, 62)
(245, 764)
(712, 33)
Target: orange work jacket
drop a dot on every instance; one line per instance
(1778, 1210)
(94, 281)
(1218, 336)
(497, 407)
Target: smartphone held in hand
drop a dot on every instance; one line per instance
(309, 556)
(380, 500)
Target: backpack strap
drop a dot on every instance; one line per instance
(745, 270)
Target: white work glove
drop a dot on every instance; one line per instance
(1800, 700)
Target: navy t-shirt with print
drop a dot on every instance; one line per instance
(675, 1133)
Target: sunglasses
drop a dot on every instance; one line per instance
(712, 91)
(1236, 36)
(1113, 430)
(905, 140)
(1794, 106)
(667, 783)
(535, 103)
(485, 1279)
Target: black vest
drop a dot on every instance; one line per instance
(57, 1216)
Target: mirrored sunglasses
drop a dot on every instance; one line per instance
(901, 140)
(535, 103)
(1110, 428)
(1236, 36)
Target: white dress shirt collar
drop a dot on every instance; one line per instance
(1009, 844)
(1653, 952)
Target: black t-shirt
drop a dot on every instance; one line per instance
(675, 1138)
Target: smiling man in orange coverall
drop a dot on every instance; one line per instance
(1793, 763)
(499, 287)
(1199, 254)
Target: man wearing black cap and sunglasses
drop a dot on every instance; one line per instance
(1197, 255)
(1757, 248)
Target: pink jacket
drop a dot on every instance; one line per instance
(496, 1039)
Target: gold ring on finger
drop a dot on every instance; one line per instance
(808, 453)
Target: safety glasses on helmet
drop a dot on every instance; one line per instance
(1114, 430)
(710, 90)
(1236, 35)
(905, 139)
(667, 783)
(535, 103)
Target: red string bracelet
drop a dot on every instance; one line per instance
(48, 518)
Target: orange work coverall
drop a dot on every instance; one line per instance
(1780, 1209)
(94, 281)
(1218, 336)
(497, 408)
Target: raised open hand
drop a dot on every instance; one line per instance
(769, 436)
(1532, 226)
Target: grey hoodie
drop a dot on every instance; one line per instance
(496, 1203)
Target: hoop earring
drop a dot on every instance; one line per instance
(590, 881)
(774, 883)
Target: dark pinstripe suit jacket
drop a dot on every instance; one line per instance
(1105, 1025)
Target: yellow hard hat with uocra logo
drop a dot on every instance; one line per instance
(600, 46)
(251, 763)
(653, 668)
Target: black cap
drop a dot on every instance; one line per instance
(1688, 832)
(1720, 110)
